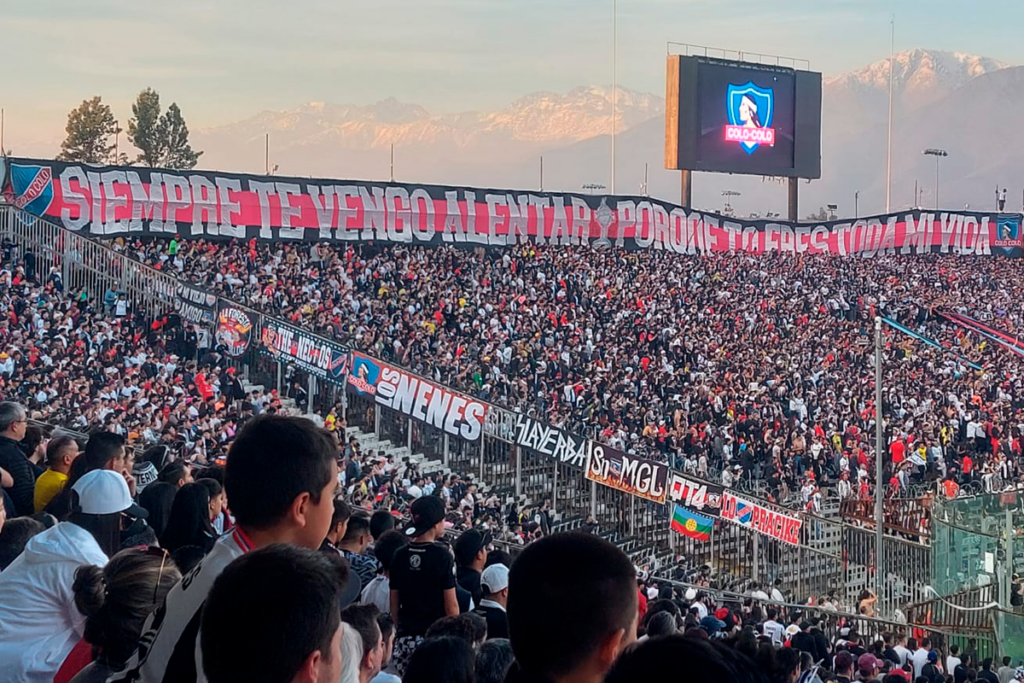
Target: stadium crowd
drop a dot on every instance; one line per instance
(733, 367)
(302, 587)
(109, 549)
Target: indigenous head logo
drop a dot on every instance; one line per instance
(32, 187)
(365, 373)
(234, 329)
(750, 116)
(1008, 234)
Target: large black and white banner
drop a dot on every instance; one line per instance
(113, 200)
(551, 441)
(393, 387)
(195, 305)
(317, 355)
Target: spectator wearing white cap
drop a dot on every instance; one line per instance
(494, 582)
(39, 622)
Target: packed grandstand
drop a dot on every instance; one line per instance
(197, 430)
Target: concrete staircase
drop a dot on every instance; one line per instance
(288, 404)
(426, 466)
(639, 551)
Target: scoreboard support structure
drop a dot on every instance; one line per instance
(685, 187)
(793, 204)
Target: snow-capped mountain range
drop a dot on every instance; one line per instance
(502, 148)
(919, 70)
(540, 117)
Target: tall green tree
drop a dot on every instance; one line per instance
(89, 130)
(162, 139)
(144, 128)
(178, 153)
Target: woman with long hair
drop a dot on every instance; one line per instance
(189, 523)
(116, 601)
(39, 620)
(158, 498)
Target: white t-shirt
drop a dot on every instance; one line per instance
(178, 619)
(378, 593)
(920, 658)
(775, 631)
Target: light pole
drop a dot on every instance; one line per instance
(879, 454)
(888, 146)
(856, 197)
(832, 208)
(938, 154)
(615, 101)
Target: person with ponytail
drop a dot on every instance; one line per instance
(116, 601)
(40, 620)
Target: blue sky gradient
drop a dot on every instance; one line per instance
(227, 60)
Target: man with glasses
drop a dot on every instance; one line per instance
(13, 423)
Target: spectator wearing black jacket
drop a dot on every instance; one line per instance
(470, 557)
(13, 425)
(803, 640)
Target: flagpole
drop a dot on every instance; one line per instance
(888, 153)
(614, 84)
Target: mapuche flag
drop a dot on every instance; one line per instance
(691, 524)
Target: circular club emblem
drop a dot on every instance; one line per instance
(414, 561)
(234, 328)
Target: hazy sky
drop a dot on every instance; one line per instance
(225, 60)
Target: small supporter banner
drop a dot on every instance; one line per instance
(690, 524)
(314, 354)
(697, 495)
(779, 526)
(634, 475)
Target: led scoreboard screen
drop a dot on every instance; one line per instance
(746, 115)
(735, 117)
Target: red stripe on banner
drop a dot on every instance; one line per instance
(110, 201)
